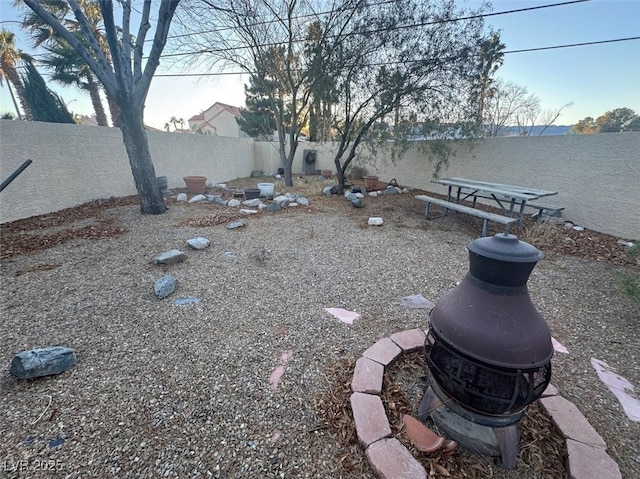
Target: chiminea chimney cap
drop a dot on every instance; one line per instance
(505, 247)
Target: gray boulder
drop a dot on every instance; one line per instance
(273, 207)
(233, 202)
(198, 242)
(164, 287)
(170, 257)
(42, 362)
(235, 224)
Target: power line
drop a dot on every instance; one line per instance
(414, 25)
(553, 47)
(572, 45)
(471, 17)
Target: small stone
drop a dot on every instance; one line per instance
(164, 287)
(302, 201)
(356, 203)
(181, 197)
(235, 224)
(254, 202)
(217, 199)
(373, 193)
(198, 243)
(375, 221)
(281, 200)
(245, 211)
(233, 203)
(42, 362)
(294, 204)
(274, 207)
(417, 301)
(628, 244)
(197, 198)
(170, 257)
(330, 190)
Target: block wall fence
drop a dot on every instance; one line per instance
(597, 176)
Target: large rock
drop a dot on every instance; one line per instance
(253, 202)
(42, 362)
(197, 198)
(170, 257)
(164, 287)
(234, 225)
(233, 202)
(198, 242)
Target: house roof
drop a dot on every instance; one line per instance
(234, 110)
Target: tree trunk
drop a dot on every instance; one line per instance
(12, 76)
(94, 92)
(15, 103)
(114, 109)
(144, 174)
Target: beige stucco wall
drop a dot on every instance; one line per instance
(73, 164)
(597, 176)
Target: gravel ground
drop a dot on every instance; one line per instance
(162, 390)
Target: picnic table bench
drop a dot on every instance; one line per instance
(545, 208)
(484, 215)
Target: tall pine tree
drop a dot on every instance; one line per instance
(257, 119)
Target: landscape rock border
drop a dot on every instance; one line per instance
(390, 459)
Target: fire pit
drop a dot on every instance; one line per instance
(488, 350)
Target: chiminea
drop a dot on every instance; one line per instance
(488, 350)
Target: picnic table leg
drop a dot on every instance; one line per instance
(521, 212)
(426, 211)
(485, 227)
(449, 193)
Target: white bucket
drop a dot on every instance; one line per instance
(266, 189)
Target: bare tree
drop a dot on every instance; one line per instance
(128, 81)
(404, 70)
(262, 37)
(511, 105)
(409, 58)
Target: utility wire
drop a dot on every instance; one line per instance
(401, 27)
(471, 17)
(553, 47)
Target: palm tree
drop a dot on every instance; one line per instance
(68, 66)
(10, 58)
(69, 69)
(491, 57)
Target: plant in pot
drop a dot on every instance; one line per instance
(195, 184)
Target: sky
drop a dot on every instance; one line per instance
(594, 79)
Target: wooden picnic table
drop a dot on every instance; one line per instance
(506, 196)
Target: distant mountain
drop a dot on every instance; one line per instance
(535, 131)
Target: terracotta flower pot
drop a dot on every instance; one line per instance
(327, 173)
(195, 184)
(370, 183)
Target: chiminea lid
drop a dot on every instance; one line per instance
(505, 247)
